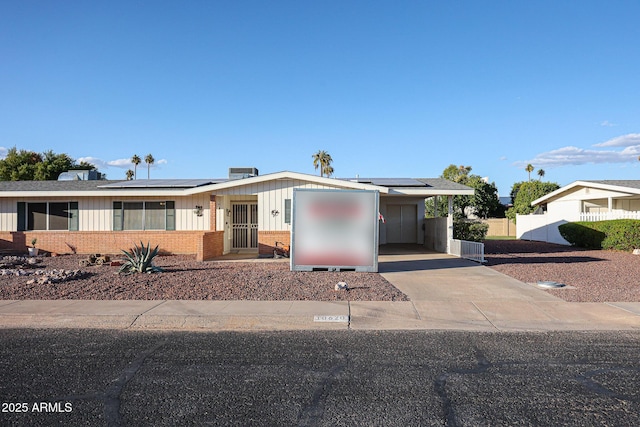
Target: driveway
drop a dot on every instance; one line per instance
(447, 292)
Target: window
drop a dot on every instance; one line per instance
(144, 215)
(287, 211)
(48, 216)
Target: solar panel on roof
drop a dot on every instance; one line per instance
(162, 183)
(397, 182)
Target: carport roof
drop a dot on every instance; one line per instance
(418, 186)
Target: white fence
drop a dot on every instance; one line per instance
(468, 250)
(604, 216)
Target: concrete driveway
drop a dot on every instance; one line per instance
(447, 292)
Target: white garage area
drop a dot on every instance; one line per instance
(402, 223)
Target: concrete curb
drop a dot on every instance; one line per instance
(483, 316)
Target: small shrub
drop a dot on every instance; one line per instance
(582, 234)
(618, 234)
(140, 260)
(472, 231)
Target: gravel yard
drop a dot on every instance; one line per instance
(187, 279)
(592, 275)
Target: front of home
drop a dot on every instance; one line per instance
(205, 217)
(580, 201)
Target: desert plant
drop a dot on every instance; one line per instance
(140, 260)
(33, 242)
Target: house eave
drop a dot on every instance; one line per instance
(625, 191)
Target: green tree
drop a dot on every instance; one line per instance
(541, 173)
(149, 160)
(322, 160)
(523, 193)
(24, 165)
(129, 174)
(136, 160)
(484, 203)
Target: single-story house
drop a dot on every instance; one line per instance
(580, 201)
(245, 212)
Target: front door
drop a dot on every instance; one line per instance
(244, 225)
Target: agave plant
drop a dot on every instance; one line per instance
(140, 260)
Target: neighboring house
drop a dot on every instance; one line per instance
(205, 217)
(580, 201)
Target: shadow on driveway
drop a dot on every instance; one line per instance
(437, 262)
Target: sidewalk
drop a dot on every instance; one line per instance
(446, 293)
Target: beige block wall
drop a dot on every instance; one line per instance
(500, 227)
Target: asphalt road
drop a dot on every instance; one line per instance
(94, 377)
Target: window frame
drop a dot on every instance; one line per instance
(25, 224)
(118, 207)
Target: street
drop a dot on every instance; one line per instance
(105, 377)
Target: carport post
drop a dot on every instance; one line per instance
(450, 225)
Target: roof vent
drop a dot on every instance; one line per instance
(80, 175)
(239, 173)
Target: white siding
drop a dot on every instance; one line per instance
(590, 194)
(8, 215)
(96, 213)
(270, 196)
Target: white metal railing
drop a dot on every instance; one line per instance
(468, 250)
(604, 216)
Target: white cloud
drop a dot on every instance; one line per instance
(502, 158)
(117, 163)
(607, 123)
(628, 140)
(120, 163)
(3, 152)
(579, 156)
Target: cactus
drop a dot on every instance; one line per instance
(140, 260)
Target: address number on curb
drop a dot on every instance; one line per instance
(325, 318)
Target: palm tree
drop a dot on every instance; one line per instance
(540, 174)
(323, 160)
(148, 159)
(136, 161)
(130, 174)
(529, 169)
(328, 171)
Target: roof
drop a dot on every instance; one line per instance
(424, 187)
(50, 185)
(162, 183)
(630, 187)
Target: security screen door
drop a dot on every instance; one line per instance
(244, 224)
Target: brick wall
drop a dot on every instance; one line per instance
(267, 240)
(211, 245)
(204, 245)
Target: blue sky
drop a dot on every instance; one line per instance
(389, 89)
